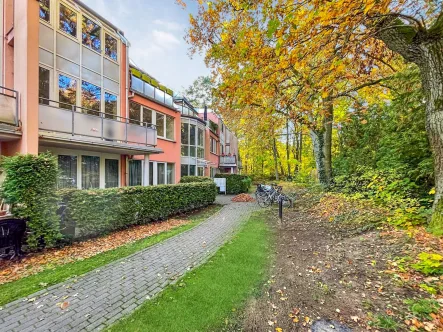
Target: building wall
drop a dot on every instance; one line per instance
(171, 149)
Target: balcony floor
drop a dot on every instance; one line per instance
(91, 144)
(9, 132)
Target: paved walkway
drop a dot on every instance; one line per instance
(100, 297)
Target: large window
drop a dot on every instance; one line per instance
(134, 113)
(91, 34)
(151, 173)
(43, 85)
(169, 127)
(111, 173)
(90, 172)
(67, 166)
(91, 97)
(170, 174)
(200, 137)
(185, 133)
(160, 123)
(68, 20)
(200, 171)
(110, 105)
(67, 91)
(135, 172)
(147, 116)
(111, 47)
(213, 145)
(45, 10)
(184, 171)
(161, 173)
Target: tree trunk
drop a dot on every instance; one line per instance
(300, 148)
(432, 81)
(318, 145)
(274, 150)
(327, 122)
(287, 148)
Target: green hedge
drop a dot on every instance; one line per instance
(190, 179)
(102, 210)
(235, 183)
(30, 188)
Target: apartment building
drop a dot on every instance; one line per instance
(67, 86)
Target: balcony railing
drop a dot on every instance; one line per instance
(9, 106)
(228, 160)
(78, 121)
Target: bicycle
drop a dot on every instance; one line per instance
(268, 195)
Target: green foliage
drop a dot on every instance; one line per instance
(423, 308)
(104, 210)
(429, 264)
(30, 187)
(384, 152)
(191, 178)
(235, 183)
(385, 323)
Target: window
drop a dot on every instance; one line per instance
(222, 151)
(161, 173)
(151, 173)
(110, 106)
(184, 133)
(135, 172)
(184, 170)
(111, 173)
(111, 47)
(67, 166)
(43, 85)
(185, 150)
(147, 116)
(136, 84)
(91, 97)
(213, 145)
(68, 20)
(200, 153)
(192, 135)
(90, 172)
(192, 151)
(213, 171)
(67, 91)
(45, 10)
(160, 122)
(134, 113)
(200, 137)
(170, 173)
(91, 34)
(200, 171)
(169, 127)
(228, 149)
(191, 169)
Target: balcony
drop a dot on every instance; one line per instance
(228, 161)
(9, 115)
(64, 125)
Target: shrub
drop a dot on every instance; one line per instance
(30, 188)
(235, 183)
(423, 308)
(190, 179)
(429, 264)
(103, 210)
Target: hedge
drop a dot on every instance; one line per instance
(235, 183)
(30, 188)
(190, 179)
(99, 211)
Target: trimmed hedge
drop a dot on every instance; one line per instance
(30, 188)
(103, 210)
(191, 179)
(235, 183)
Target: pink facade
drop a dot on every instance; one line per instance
(67, 87)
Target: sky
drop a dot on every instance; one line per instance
(155, 29)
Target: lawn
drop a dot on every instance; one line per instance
(209, 297)
(34, 283)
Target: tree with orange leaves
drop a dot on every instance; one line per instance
(301, 55)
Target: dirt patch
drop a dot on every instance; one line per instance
(334, 267)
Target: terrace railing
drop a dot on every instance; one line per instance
(65, 118)
(9, 106)
(228, 160)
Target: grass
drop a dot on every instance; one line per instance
(209, 297)
(26, 286)
(385, 323)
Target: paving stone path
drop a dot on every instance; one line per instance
(102, 296)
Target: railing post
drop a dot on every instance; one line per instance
(146, 140)
(102, 129)
(73, 121)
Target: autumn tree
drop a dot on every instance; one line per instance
(200, 92)
(318, 34)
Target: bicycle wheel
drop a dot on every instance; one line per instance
(263, 200)
(287, 202)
